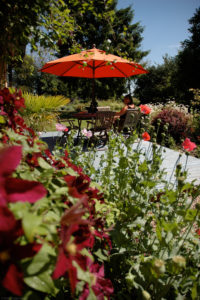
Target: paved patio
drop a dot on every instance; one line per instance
(169, 157)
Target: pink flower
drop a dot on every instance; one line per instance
(188, 145)
(87, 133)
(16, 189)
(145, 109)
(146, 136)
(60, 127)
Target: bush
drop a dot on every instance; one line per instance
(53, 241)
(154, 223)
(41, 112)
(177, 122)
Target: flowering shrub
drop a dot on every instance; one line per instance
(176, 121)
(53, 241)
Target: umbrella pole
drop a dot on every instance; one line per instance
(94, 104)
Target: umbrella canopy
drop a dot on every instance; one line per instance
(93, 63)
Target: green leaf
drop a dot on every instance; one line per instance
(2, 120)
(100, 255)
(159, 231)
(71, 172)
(91, 295)
(43, 164)
(194, 291)
(40, 260)
(62, 191)
(82, 275)
(30, 224)
(170, 227)
(42, 282)
(190, 214)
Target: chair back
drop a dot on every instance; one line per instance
(104, 119)
(132, 118)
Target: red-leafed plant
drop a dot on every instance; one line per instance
(49, 225)
(177, 122)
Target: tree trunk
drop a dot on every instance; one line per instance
(3, 74)
(10, 75)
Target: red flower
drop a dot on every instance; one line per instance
(16, 189)
(198, 231)
(69, 251)
(188, 145)
(146, 136)
(75, 235)
(11, 252)
(101, 286)
(145, 109)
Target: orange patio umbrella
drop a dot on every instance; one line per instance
(93, 63)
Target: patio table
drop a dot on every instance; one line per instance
(83, 116)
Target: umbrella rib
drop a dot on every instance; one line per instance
(75, 63)
(51, 65)
(120, 71)
(68, 69)
(100, 65)
(138, 67)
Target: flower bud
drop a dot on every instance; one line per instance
(71, 248)
(129, 280)
(179, 261)
(166, 126)
(159, 266)
(163, 134)
(146, 295)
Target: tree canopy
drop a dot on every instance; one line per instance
(188, 59)
(38, 22)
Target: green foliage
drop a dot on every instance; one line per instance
(188, 59)
(156, 250)
(41, 22)
(36, 103)
(40, 111)
(159, 85)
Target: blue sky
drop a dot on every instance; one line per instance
(165, 24)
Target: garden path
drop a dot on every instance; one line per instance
(170, 157)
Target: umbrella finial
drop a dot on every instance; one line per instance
(94, 46)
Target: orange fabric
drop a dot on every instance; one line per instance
(93, 63)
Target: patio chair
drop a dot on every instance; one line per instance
(101, 125)
(103, 108)
(129, 124)
(70, 123)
